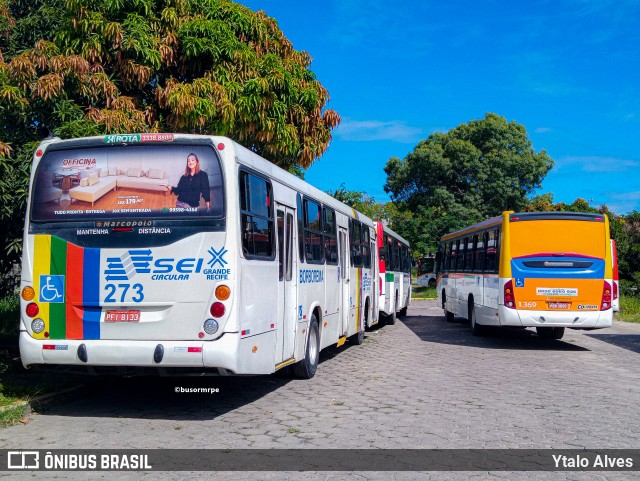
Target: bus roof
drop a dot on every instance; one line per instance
(524, 216)
(473, 228)
(388, 230)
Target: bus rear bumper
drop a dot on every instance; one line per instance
(570, 319)
(230, 353)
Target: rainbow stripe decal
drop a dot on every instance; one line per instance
(76, 315)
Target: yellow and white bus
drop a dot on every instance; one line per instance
(548, 270)
(395, 273)
(173, 252)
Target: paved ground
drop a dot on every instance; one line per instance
(423, 383)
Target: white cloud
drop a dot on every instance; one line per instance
(368, 130)
(597, 163)
(542, 130)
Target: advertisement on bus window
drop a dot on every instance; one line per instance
(127, 181)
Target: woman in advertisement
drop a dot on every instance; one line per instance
(193, 184)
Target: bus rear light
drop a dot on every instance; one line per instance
(615, 290)
(32, 309)
(509, 298)
(37, 325)
(217, 309)
(28, 293)
(223, 293)
(606, 297)
(210, 326)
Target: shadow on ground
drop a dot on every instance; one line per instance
(436, 329)
(626, 341)
(154, 397)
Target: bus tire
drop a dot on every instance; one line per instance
(391, 318)
(432, 283)
(403, 312)
(306, 368)
(476, 329)
(550, 332)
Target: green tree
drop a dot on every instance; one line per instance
(91, 67)
(474, 171)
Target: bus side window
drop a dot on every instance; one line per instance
(471, 252)
(491, 255)
(356, 244)
(462, 257)
(480, 251)
(366, 255)
(300, 227)
(330, 241)
(454, 256)
(256, 216)
(313, 237)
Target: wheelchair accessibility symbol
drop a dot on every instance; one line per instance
(519, 282)
(51, 288)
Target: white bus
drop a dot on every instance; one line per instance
(548, 270)
(174, 253)
(395, 273)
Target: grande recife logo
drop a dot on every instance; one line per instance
(142, 261)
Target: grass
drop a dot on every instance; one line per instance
(629, 309)
(18, 385)
(419, 292)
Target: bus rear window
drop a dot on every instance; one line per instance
(558, 236)
(124, 181)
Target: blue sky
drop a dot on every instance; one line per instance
(568, 70)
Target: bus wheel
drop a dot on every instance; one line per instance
(476, 329)
(403, 312)
(432, 283)
(306, 368)
(550, 332)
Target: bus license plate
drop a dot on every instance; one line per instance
(122, 316)
(558, 305)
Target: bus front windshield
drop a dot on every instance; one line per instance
(125, 181)
(531, 237)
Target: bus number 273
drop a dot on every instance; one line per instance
(135, 292)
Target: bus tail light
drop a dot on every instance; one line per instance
(606, 297)
(217, 309)
(615, 290)
(28, 293)
(223, 293)
(509, 298)
(210, 326)
(32, 309)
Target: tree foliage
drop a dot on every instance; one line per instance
(91, 67)
(474, 171)
(625, 229)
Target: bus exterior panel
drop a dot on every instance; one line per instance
(529, 270)
(124, 276)
(394, 271)
(559, 266)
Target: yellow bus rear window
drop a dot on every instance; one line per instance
(558, 236)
